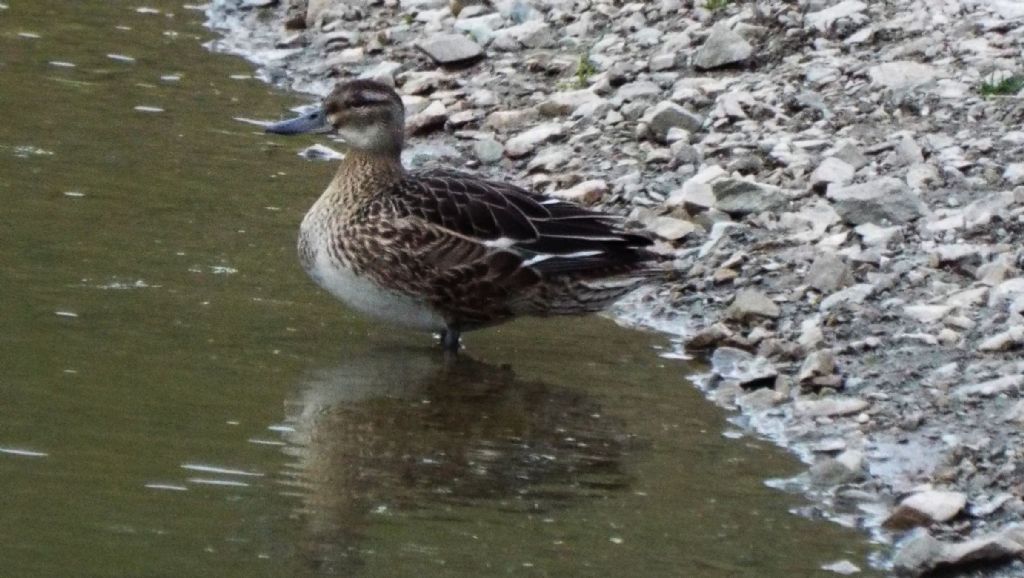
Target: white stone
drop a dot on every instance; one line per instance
(723, 46)
(450, 48)
(832, 170)
(1014, 174)
(830, 406)
(990, 387)
(927, 313)
(1004, 340)
(932, 506)
(694, 197)
(525, 142)
(901, 75)
(671, 228)
(823, 19)
(586, 192)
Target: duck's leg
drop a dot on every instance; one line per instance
(450, 340)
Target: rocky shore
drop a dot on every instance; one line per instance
(841, 182)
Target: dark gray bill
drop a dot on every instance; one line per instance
(315, 121)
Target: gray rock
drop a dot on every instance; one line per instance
(723, 46)
(530, 34)
(565, 102)
(586, 192)
(551, 159)
(845, 468)
(828, 273)
(1014, 174)
(508, 120)
(709, 337)
(639, 90)
(481, 28)
(1004, 340)
(738, 197)
(822, 20)
(832, 170)
(853, 295)
(901, 75)
(671, 228)
(429, 119)
(695, 197)
(989, 388)
(488, 150)
(664, 61)
(851, 155)
(525, 142)
(927, 313)
(667, 115)
(920, 553)
(883, 200)
(382, 72)
(750, 371)
(821, 363)
(830, 406)
(926, 508)
(751, 303)
(909, 151)
(450, 49)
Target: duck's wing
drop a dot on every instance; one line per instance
(549, 235)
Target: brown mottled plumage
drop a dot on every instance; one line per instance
(447, 251)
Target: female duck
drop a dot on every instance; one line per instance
(444, 251)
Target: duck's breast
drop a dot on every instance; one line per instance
(334, 274)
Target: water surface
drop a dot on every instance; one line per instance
(179, 400)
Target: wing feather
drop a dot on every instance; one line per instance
(529, 225)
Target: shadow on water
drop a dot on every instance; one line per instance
(407, 432)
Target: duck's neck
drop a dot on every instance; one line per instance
(362, 173)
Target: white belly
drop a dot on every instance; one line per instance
(371, 299)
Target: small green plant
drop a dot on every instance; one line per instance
(584, 70)
(1006, 87)
(715, 5)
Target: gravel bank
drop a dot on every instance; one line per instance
(843, 183)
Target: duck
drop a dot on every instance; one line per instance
(444, 251)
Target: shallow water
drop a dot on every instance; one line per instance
(177, 399)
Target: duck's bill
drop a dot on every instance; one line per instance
(315, 121)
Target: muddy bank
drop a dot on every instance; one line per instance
(842, 183)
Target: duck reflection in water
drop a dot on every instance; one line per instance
(410, 434)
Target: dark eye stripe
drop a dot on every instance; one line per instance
(368, 98)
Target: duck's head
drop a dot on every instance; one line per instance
(366, 114)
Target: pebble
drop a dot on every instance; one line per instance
(832, 170)
(739, 197)
(883, 201)
(667, 115)
(744, 368)
(723, 46)
(926, 508)
(587, 192)
(527, 141)
(751, 303)
(828, 273)
(831, 406)
(488, 150)
(901, 75)
(450, 49)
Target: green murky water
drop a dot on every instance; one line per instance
(176, 399)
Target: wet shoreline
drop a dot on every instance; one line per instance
(827, 281)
